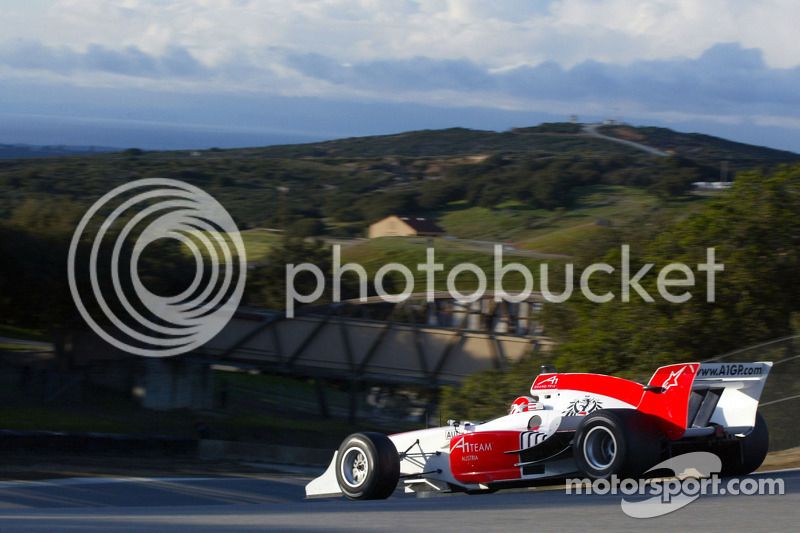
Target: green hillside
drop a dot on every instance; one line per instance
(547, 188)
(700, 147)
(550, 194)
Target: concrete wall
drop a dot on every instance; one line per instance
(215, 450)
(175, 383)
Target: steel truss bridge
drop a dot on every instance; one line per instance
(417, 341)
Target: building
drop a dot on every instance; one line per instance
(712, 185)
(397, 226)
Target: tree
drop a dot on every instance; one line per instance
(266, 284)
(755, 230)
(307, 227)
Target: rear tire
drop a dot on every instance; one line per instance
(367, 466)
(621, 442)
(748, 453)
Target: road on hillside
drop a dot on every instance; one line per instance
(275, 502)
(477, 245)
(591, 129)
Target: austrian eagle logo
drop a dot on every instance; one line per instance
(582, 406)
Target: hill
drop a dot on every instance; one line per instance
(544, 139)
(15, 151)
(701, 147)
(518, 185)
(548, 193)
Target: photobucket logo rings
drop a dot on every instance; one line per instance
(168, 209)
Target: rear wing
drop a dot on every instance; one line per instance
(734, 388)
(692, 399)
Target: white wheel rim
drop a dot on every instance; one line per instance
(354, 467)
(599, 447)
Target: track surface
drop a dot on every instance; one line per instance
(275, 502)
(591, 129)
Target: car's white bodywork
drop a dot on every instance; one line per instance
(425, 454)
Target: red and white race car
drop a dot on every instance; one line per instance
(591, 425)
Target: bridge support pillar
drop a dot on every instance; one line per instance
(352, 411)
(172, 383)
(322, 400)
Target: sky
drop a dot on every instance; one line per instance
(184, 74)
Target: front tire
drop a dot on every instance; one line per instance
(367, 466)
(621, 442)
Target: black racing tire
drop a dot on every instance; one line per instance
(747, 454)
(367, 466)
(621, 442)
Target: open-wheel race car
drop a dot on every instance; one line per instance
(590, 425)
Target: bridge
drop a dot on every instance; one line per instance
(429, 343)
(416, 343)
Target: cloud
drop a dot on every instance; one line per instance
(417, 73)
(494, 34)
(719, 61)
(726, 79)
(725, 83)
(128, 61)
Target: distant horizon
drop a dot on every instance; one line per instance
(203, 137)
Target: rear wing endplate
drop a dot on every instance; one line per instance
(693, 398)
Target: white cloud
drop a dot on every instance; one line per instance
(644, 57)
(497, 34)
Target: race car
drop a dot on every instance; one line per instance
(591, 425)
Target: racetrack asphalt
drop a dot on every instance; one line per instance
(275, 502)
